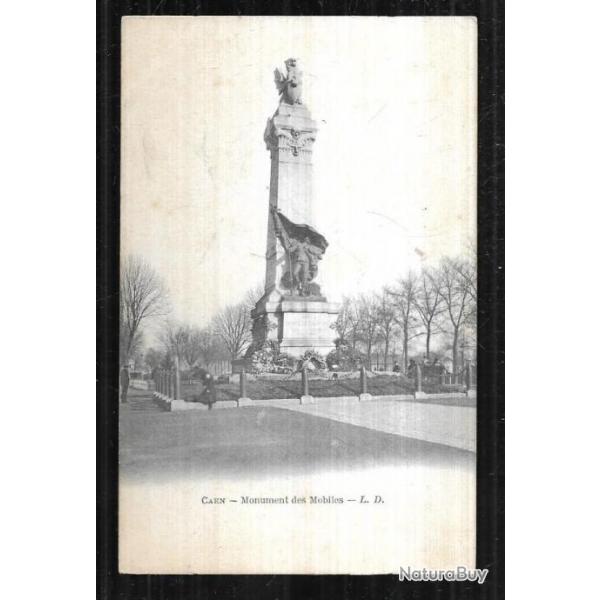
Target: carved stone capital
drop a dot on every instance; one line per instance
(288, 138)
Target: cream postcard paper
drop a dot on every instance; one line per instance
(298, 225)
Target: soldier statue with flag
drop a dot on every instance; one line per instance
(304, 248)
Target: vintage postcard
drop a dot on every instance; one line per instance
(298, 296)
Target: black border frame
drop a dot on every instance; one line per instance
(490, 222)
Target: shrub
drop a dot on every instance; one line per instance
(314, 361)
(285, 361)
(266, 358)
(344, 358)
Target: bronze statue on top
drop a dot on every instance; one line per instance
(289, 85)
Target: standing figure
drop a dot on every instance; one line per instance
(124, 377)
(305, 248)
(304, 258)
(301, 259)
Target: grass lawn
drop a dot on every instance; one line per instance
(269, 389)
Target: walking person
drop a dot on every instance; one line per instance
(210, 393)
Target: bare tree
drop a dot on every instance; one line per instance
(153, 358)
(174, 337)
(253, 295)
(138, 360)
(386, 322)
(346, 322)
(192, 348)
(467, 270)
(130, 347)
(406, 312)
(234, 325)
(458, 301)
(428, 304)
(354, 321)
(168, 361)
(142, 297)
(368, 324)
(206, 344)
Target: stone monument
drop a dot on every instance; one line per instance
(293, 310)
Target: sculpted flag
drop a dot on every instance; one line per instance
(305, 248)
(290, 230)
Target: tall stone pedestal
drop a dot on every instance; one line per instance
(297, 324)
(289, 136)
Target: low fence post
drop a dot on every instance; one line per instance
(306, 398)
(177, 392)
(468, 375)
(470, 390)
(363, 380)
(364, 392)
(243, 400)
(243, 383)
(305, 390)
(419, 383)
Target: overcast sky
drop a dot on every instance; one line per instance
(394, 159)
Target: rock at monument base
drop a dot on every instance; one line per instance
(244, 402)
(420, 395)
(365, 397)
(307, 400)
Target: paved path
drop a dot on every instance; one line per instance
(259, 441)
(139, 401)
(450, 425)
